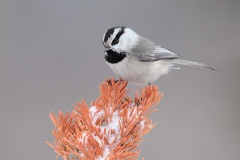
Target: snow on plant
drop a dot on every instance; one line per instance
(112, 128)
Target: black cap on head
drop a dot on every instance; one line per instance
(110, 31)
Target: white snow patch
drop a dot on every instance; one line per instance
(93, 110)
(105, 153)
(132, 112)
(142, 124)
(112, 125)
(97, 139)
(95, 115)
(84, 134)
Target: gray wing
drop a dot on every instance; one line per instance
(157, 54)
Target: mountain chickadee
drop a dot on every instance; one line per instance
(137, 59)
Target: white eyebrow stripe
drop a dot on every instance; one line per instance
(116, 30)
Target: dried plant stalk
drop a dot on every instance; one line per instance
(112, 128)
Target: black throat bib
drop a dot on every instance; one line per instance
(113, 56)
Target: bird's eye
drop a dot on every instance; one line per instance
(117, 37)
(115, 41)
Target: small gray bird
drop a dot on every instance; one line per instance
(137, 59)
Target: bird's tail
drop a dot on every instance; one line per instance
(194, 64)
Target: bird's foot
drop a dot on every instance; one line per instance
(115, 81)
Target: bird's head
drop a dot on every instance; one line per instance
(120, 39)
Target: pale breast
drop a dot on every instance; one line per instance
(140, 72)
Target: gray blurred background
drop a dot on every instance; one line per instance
(51, 56)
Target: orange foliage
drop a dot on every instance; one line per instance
(112, 128)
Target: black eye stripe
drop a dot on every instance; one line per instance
(116, 39)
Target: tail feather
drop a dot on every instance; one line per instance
(194, 64)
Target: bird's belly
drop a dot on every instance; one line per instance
(139, 72)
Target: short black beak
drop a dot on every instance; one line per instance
(106, 46)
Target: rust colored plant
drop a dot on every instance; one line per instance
(112, 128)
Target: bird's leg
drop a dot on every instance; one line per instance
(120, 79)
(110, 82)
(138, 102)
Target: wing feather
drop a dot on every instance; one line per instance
(157, 54)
